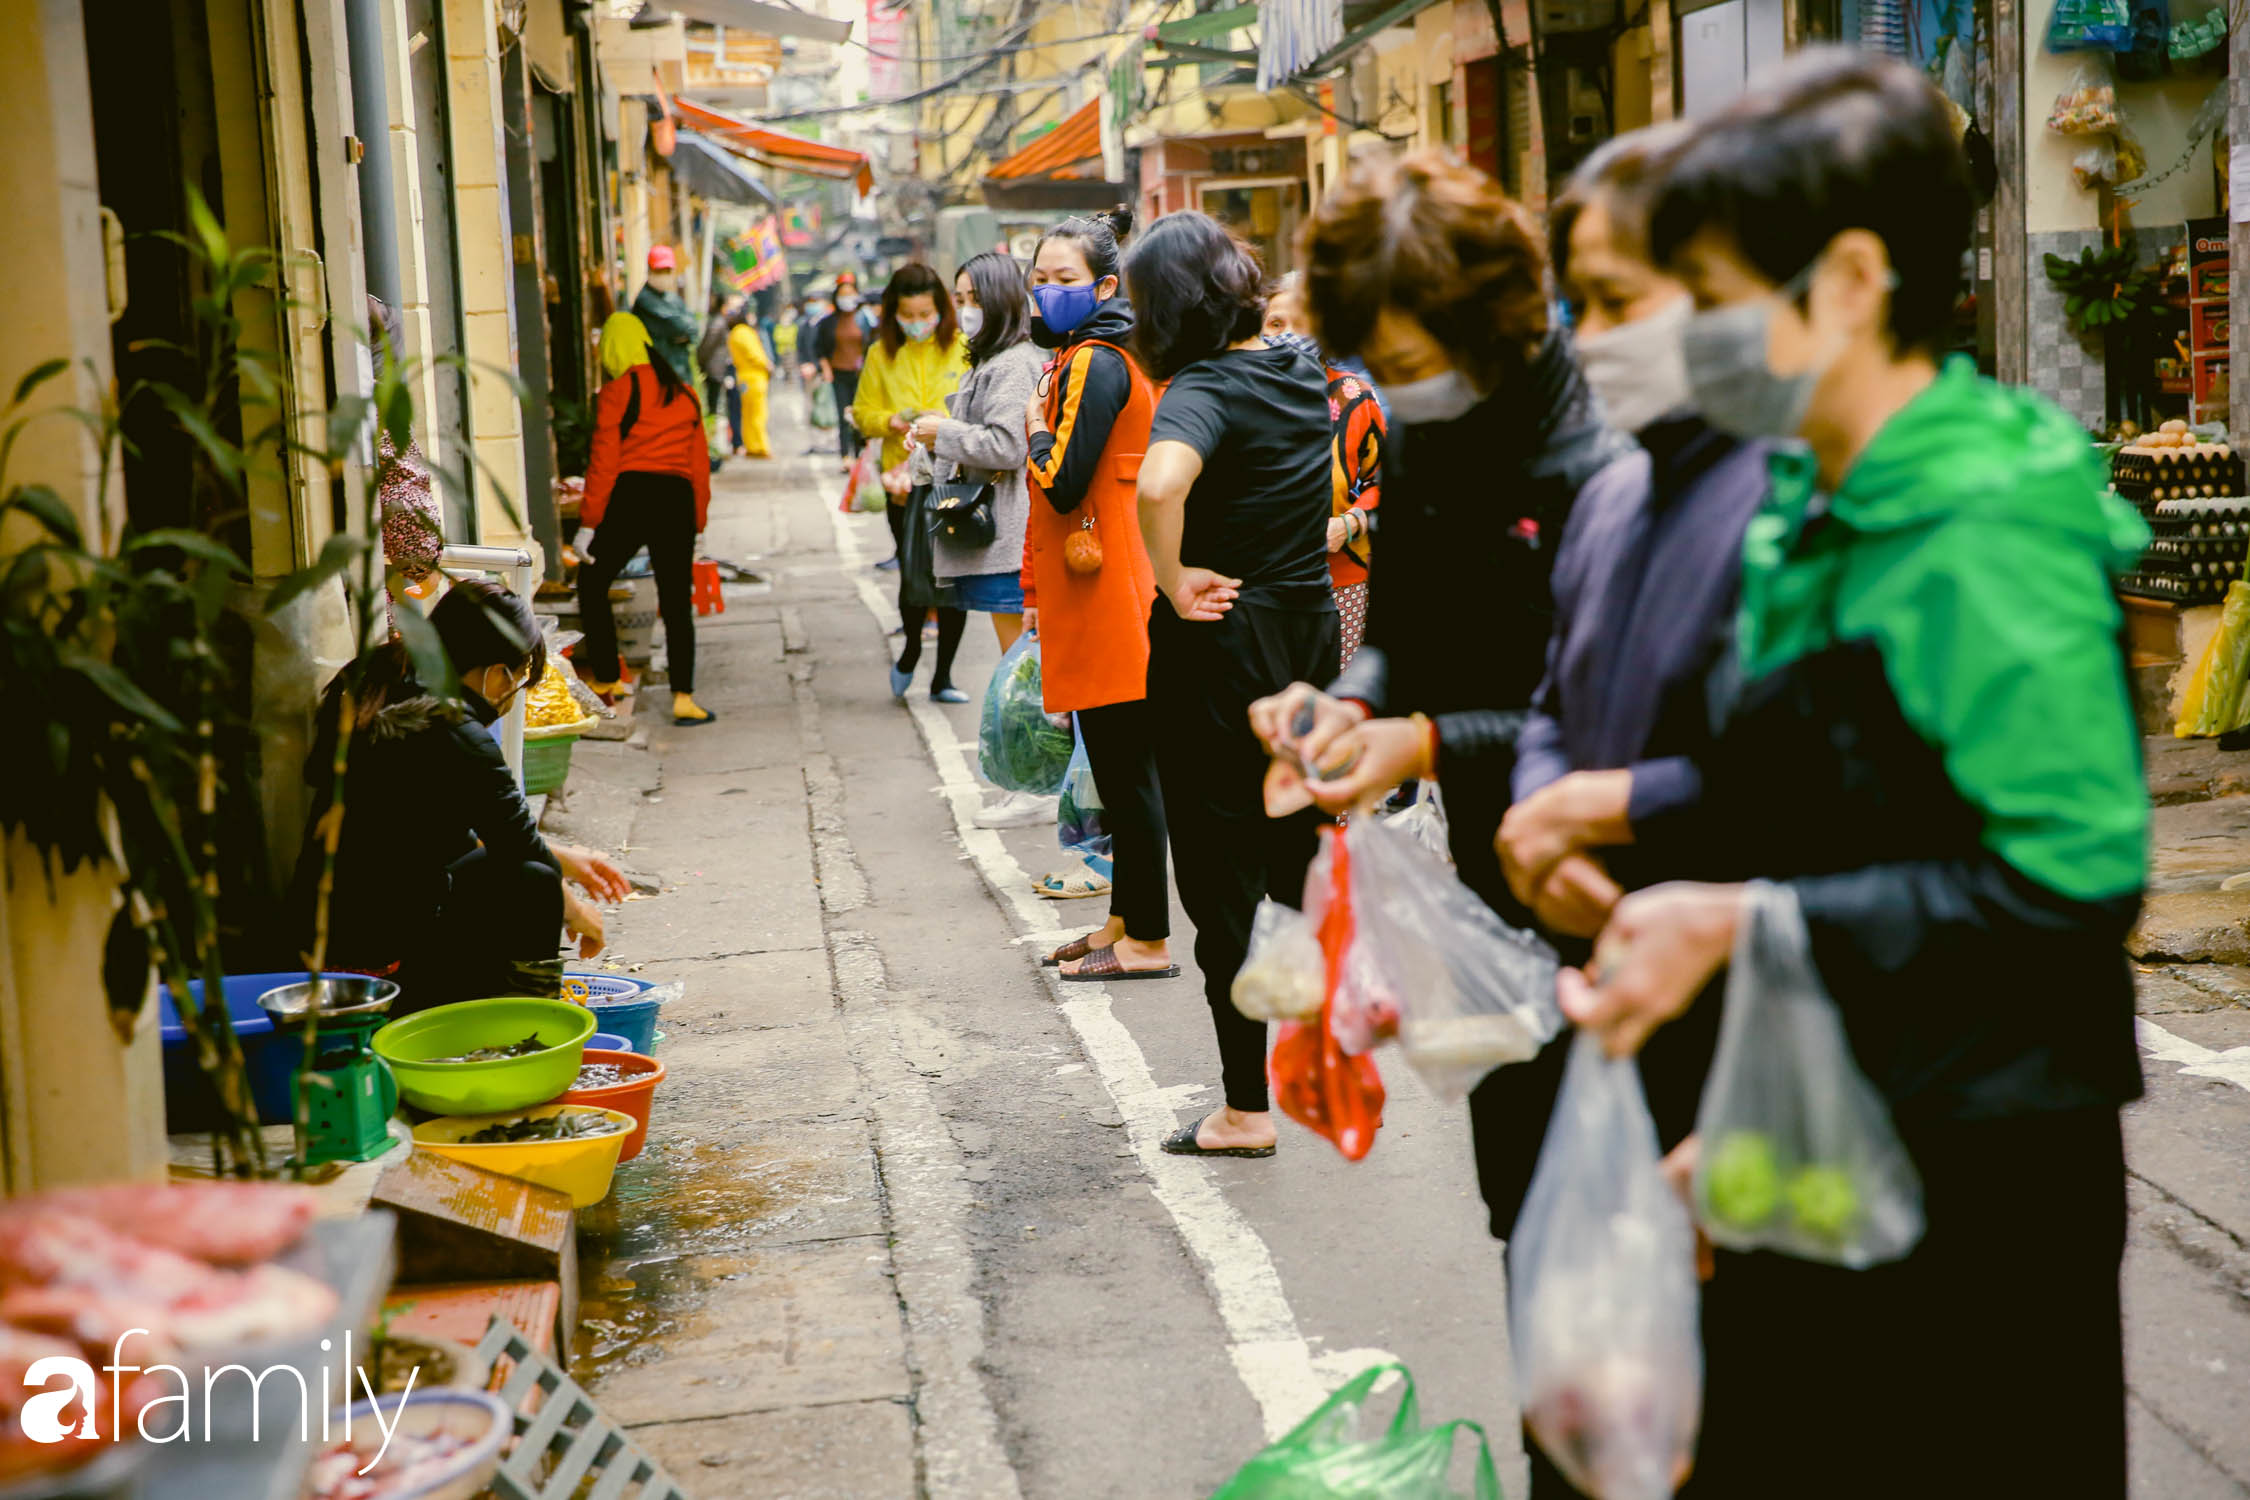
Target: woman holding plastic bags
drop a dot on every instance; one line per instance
(1933, 754)
(1087, 585)
(1234, 506)
(915, 363)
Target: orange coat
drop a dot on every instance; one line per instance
(1093, 627)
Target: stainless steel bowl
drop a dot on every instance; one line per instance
(334, 998)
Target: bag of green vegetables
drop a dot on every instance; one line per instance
(1799, 1154)
(1019, 748)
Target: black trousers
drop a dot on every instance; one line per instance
(847, 431)
(1121, 748)
(499, 918)
(1987, 1363)
(1202, 679)
(656, 511)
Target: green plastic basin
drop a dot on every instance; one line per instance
(483, 1088)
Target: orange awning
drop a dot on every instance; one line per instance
(1071, 149)
(778, 148)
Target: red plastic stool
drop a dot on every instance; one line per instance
(710, 599)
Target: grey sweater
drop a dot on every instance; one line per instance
(985, 436)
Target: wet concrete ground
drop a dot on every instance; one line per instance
(894, 1234)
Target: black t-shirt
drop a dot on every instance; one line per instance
(1259, 509)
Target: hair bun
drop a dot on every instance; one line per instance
(1119, 220)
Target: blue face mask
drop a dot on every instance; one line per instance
(1063, 308)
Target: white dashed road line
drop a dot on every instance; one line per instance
(1268, 1351)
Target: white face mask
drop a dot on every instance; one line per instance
(1438, 398)
(664, 281)
(971, 320)
(1638, 368)
(847, 303)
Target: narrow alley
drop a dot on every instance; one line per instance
(906, 1230)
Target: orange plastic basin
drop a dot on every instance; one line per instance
(633, 1096)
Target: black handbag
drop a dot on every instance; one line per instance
(960, 513)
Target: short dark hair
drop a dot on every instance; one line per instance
(1006, 301)
(914, 279)
(1097, 237)
(1437, 240)
(1826, 141)
(1622, 175)
(1195, 289)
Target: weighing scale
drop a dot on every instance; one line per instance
(346, 1093)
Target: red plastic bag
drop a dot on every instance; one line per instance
(1317, 1083)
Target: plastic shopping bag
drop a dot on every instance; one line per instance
(1362, 1004)
(1798, 1154)
(1284, 977)
(862, 481)
(1473, 993)
(2076, 24)
(1602, 1292)
(1336, 1452)
(1078, 823)
(821, 407)
(1425, 820)
(1331, 1092)
(1019, 748)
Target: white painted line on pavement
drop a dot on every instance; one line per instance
(1269, 1352)
(2198, 1061)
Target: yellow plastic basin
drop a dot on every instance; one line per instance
(581, 1168)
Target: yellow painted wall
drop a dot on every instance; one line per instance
(74, 1104)
(487, 272)
(2158, 113)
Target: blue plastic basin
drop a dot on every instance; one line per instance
(190, 1103)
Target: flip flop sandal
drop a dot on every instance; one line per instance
(1071, 951)
(1102, 964)
(1182, 1142)
(1075, 886)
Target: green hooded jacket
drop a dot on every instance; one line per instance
(1974, 544)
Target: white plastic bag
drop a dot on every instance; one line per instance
(1425, 820)
(1798, 1151)
(1283, 978)
(1472, 993)
(1602, 1293)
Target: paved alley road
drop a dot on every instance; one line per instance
(903, 1228)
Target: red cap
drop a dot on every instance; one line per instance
(660, 258)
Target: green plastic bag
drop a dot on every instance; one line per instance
(1327, 1458)
(1019, 748)
(823, 413)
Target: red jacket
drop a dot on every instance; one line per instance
(667, 438)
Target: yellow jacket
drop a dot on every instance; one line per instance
(916, 379)
(749, 352)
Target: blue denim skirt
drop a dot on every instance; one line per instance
(988, 593)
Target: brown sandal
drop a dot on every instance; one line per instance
(1076, 948)
(1102, 964)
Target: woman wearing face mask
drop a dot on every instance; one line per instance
(1234, 504)
(839, 349)
(442, 879)
(1088, 586)
(916, 362)
(1933, 753)
(1423, 268)
(984, 439)
(1644, 589)
(648, 484)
